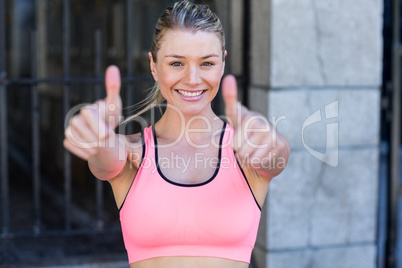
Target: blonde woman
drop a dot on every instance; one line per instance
(191, 186)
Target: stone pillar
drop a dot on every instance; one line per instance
(317, 75)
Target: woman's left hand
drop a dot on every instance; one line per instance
(256, 141)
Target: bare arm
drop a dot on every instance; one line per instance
(258, 144)
(90, 134)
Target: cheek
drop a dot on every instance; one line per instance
(167, 80)
(216, 78)
(214, 82)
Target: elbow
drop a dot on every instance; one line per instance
(282, 153)
(106, 175)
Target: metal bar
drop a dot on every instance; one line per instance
(66, 107)
(5, 213)
(395, 141)
(3, 127)
(129, 37)
(76, 80)
(98, 95)
(98, 64)
(129, 55)
(83, 231)
(26, 167)
(246, 49)
(35, 138)
(382, 205)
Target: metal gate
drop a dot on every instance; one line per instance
(390, 255)
(50, 204)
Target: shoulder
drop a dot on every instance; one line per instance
(121, 183)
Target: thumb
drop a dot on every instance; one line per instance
(112, 83)
(113, 100)
(229, 93)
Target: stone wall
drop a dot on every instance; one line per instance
(317, 74)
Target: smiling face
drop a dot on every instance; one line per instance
(189, 69)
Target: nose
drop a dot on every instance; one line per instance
(193, 76)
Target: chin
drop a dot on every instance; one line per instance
(192, 111)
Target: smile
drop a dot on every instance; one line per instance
(190, 94)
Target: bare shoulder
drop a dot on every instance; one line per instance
(133, 145)
(121, 183)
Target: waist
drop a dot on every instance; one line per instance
(185, 261)
(230, 252)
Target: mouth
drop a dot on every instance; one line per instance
(190, 94)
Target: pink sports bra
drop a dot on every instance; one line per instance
(216, 218)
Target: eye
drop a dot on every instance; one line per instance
(176, 64)
(208, 64)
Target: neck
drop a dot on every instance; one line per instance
(174, 123)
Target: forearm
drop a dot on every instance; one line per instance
(275, 162)
(110, 159)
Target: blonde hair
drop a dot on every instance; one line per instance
(182, 15)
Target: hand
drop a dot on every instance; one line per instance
(257, 143)
(93, 128)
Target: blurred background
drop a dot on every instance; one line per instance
(326, 72)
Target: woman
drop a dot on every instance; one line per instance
(190, 187)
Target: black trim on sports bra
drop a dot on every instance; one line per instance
(139, 166)
(244, 175)
(183, 184)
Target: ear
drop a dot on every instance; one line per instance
(153, 67)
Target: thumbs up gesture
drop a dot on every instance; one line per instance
(113, 104)
(257, 143)
(90, 134)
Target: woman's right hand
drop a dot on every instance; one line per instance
(90, 134)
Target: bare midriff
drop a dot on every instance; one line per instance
(185, 262)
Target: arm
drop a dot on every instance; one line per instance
(258, 144)
(90, 134)
(109, 162)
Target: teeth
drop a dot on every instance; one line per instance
(190, 94)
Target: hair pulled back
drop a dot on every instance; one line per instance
(185, 15)
(182, 15)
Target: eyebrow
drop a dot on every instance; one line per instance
(182, 57)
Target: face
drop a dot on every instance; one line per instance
(189, 69)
